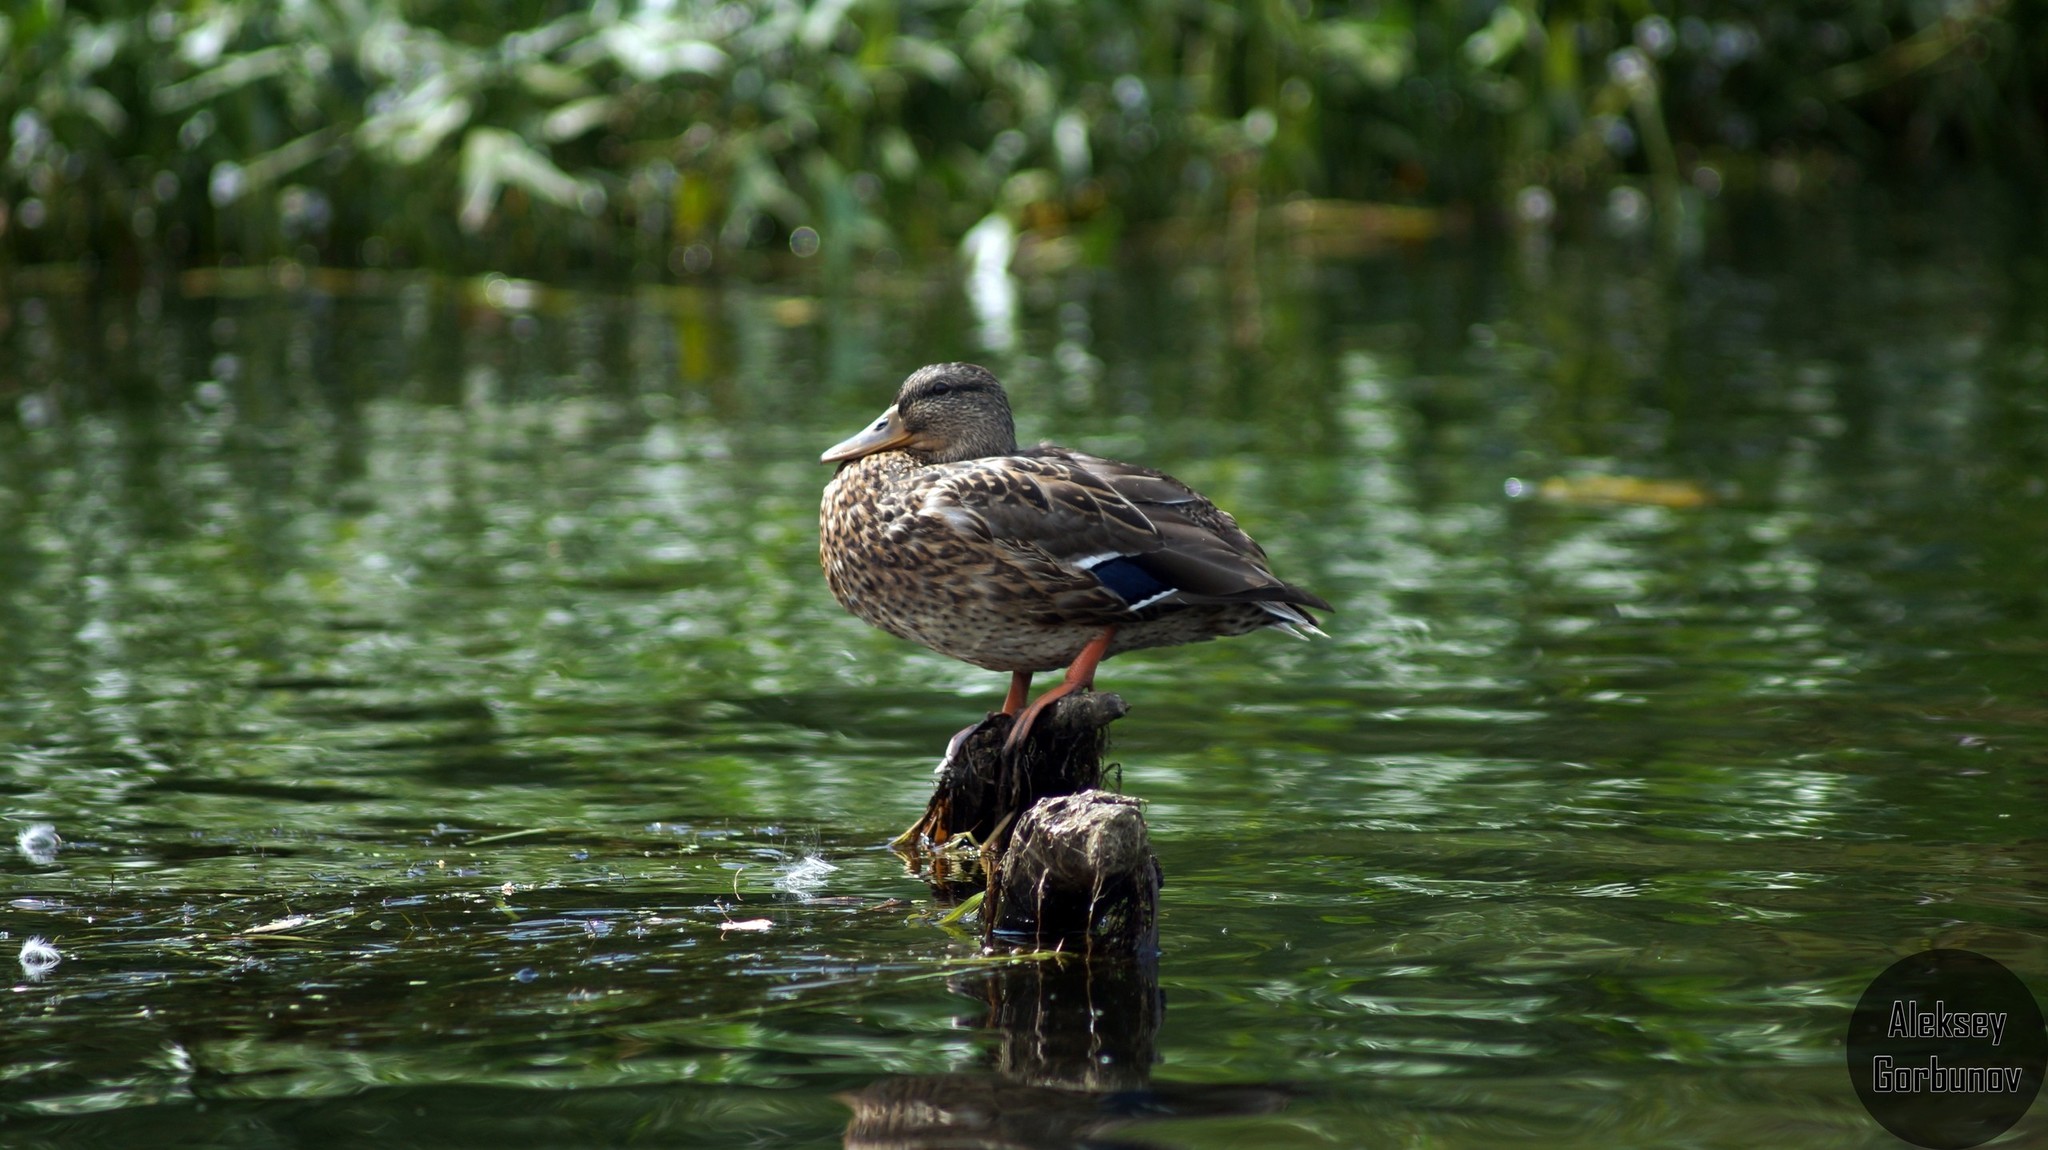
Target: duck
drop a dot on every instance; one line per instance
(938, 528)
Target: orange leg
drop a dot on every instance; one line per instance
(1020, 689)
(1080, 674)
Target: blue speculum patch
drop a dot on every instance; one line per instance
(1129, 579)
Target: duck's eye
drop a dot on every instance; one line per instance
(939, 389)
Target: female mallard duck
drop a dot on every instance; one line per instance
(939, 529)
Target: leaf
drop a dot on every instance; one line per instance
(205, 41)
(897, 153)
(94, 47)
(416, 124)
(1381, 54)
(654, 49)
(757, 187)
(1596, 489)
(238, 72)
(575, 118)
(493, 158)
(821, 24)
(103, 109)
(552, 81)
(969, 906)
(1491, 45)
(280, 162)
(230, 182)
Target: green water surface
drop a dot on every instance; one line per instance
(453, 742)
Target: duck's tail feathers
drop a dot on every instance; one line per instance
(1293, 620)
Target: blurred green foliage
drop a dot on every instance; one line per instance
(670, 136)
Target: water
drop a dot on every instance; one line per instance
(452, 741)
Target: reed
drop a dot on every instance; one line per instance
(670, 139)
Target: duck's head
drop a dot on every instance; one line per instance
(943, 414)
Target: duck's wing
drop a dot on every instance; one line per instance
(1109, 539)
(1204, 556)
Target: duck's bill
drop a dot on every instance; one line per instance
(883, 434)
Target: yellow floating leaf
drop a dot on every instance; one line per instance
(1676, 493)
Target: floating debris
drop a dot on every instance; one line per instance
(508, 836)
(278, 926)
(1593, 489)
(805, 875)
(38, 957)
(39, 844)
(288, 922)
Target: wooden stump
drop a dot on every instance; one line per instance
(1077, 871)
(978, 786)
(1068, 866)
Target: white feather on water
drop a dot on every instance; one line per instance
(38, 957)
(39, 844)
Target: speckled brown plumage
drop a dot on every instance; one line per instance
(938, 529)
